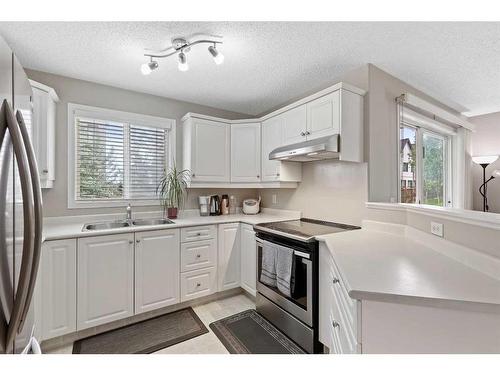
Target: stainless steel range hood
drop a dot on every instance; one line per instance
(316, 149)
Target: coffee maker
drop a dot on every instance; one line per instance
(215, 209)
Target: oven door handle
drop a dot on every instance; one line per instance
(301, 254)
(298, 253)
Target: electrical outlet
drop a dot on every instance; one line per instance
(275, 199)
(437, 228)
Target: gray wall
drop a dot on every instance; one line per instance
(486, 141)
(72, 90)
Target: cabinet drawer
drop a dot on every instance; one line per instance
(198, 283)
(198, 254)
(202, 232)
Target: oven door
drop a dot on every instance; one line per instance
(301, 300)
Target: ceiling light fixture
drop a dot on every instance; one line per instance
(182, 65)
(181, 46)
(147, 68)
(218, 57)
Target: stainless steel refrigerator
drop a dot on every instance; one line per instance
(20, 209)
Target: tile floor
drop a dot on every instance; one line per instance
(208, 313)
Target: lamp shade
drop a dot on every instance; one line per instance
(486, 159)
(495, 173)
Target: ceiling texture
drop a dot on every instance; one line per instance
(270, 63)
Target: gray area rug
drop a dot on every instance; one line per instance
(145, 337)
(249, 333)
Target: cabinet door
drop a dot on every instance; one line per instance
(157, 264)
(58, 288)
(245, 152)
(323, 116)
(272, 137)
(105, 279)
(248, 259)
(210, 148)
(294, 125)
(229, 256)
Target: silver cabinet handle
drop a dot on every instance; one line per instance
(137, 241)
(302, 133)
(335, 280)
(193, 175)
(131, 242)
(308, 133)
(45, 171)
(198, 234)
(198, 256)
(198, 285)
(335, 324)
(277, 174)
(258, 176)
(7, 121)
(37, 201)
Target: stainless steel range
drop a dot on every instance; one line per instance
(287, 276)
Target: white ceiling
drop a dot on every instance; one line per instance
(268, 64)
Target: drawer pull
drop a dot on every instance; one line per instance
(130, 242)
(198, 285)
(335, 324)
(137, 241)
(335, 280)
(198, 234)
(198, 256)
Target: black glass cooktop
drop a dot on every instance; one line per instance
(303, 229)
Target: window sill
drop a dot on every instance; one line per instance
(112, 203)
(479, 218)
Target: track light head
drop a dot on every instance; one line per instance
(147, 68)
(218, 57)
(182, 65)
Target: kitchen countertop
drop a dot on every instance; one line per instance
(399, 265)
(71, 227)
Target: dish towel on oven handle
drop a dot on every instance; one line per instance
(268, 269)
(285, 269)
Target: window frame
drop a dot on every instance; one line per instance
(79, 110)
(449, 139)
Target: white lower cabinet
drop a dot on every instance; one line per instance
(199, 283)
(229, 256)
(58, 288)
(105, 279)
(157, 257)
(198, 254)
(339, 315)
(248, 259)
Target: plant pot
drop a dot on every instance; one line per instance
(172, 212)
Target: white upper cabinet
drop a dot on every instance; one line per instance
(44, 135)
(207, 150)
(272, 137)
(294, 125)
(323, 116)
(157, 269)
(245, 152)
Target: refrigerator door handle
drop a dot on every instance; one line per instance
(29, 224)
(3, 317)
(38, 216)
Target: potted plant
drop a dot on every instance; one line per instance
(172, 190)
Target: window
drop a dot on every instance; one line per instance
(118, 157)
(424, 159)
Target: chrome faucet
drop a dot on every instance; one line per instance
(129, 212)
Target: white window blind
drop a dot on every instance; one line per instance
(118, 160)
(147, 160)
(100, 159)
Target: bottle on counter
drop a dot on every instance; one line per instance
(224, 204)
(232, 205)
